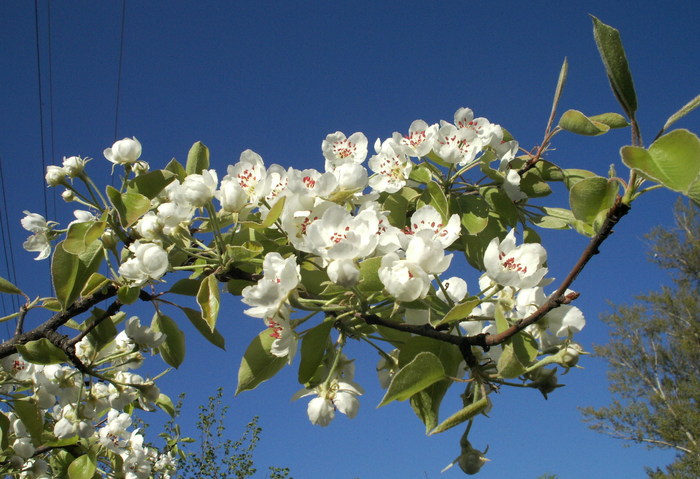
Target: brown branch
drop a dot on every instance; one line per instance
(560, 297)
(57, 320)
(464, 343)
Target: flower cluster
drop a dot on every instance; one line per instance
(363, 238)
(81, 411)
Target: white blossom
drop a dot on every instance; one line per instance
(124, 152)
(518, 266)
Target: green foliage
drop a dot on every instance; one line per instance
(219, 457)
(653, 355)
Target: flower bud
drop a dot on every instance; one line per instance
(109, 239)
(55, 175)
(74, 166)
(68, 196)
(141, 168)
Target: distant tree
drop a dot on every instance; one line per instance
(216, 456)
(654, 355)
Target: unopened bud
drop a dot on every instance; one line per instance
(68, 196)
(109, 239)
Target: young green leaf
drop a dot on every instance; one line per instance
(83, 467)
(458, 312)
(576, 122)
(461, 416)
(313, 347)
(612, 53)
(425, 370)
(613, 120)
(8, 288)
(208, 300)
(197, 159)
(258, 363)
(42, 351)
(687, 108)
(173, 348)
(673, 160)
(213, 336)
(592, 196)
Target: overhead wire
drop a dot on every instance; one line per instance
(119, 77)
(8, 254)
(41, 103)
(53, 144)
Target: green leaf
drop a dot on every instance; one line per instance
(474, 212)
(128, 295)
(458, 312)
(576, 122)
(313, 347)
(129, 205)
(258, 363)
(186, 286)
(690, 106)
(425, 370)
(509, 366)
(274, 213)
(533, 185)
(82, 235)
(500, 318)
(173, 348)
(70, 273)
(426, 403)
(573, 176)
(421, 174)
(501, 206)
(177, 169)
(83, 467)
(4, 430)
(197, 159)
(563, 73)
(208, 300)
(8, 288)
(612, 53)
(64, 271)
(31, 416)
(555, 218)
(96, 282)
(198, 322)
(396, 205)
(435, 197)
(42, 351)
(369, 275)
(525, 348)
(152, 183)
(166, 404)
(464, 414)
(673, 160)
(613, 120)
(592, 196)
(104, 332)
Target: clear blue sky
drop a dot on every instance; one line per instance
(277, 77)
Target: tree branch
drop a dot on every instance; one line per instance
(560, 297)
(59, 319)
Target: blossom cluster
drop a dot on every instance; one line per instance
(368, 235)
(78, 409)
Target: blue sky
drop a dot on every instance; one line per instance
(277, 77)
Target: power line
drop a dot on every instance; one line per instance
(8, 254)
(41, 103)
(119, 76)
(53, 144)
